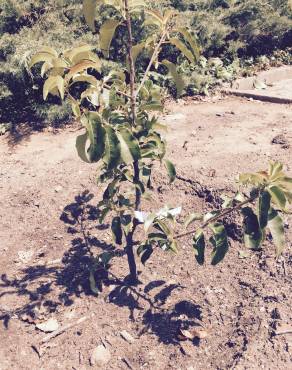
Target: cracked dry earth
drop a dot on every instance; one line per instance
(48, 223)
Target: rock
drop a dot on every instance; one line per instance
(100, 356)
(280, 139)
(58, 188)
(128, 337)
(25, 256)
(48, 326)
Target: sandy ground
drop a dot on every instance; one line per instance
(48, 222)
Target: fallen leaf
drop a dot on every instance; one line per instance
(243, 254)
(192, 334)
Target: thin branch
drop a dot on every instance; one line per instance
(152, 60)
(118, 91)
(131, 61)
(129, 238)
(217, 217)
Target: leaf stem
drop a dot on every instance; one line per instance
(154, 56)
(118, 91)
(217, 217)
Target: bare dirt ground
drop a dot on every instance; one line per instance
(48, 223)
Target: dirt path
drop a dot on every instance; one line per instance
(48, 221)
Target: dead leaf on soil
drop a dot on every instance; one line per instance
(199, 333)
(243, 254)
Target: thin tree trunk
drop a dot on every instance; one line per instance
(130, 241)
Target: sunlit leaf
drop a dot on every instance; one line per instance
(183, 48)
(80, 67)
(152, 106)
(278, 196)
(192, 218)
(170, 170)
(40, 57)
(92, 283)
(149, 221)
(51, 83)
(192, 42)
(130, 150)
(276, 227)
(49, 50)
(106, 33)
(178, 80)
(89, 11)
(80, 53)
(81, 147)
(154, 18)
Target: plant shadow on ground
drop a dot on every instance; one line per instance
(70, 279)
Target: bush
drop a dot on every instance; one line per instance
(227, 29)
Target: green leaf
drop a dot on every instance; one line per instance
(220, 243)
(81, 67)
(253, 235)
(275, 170)
(40, 57)
(162, 226)
(127, 223)
(49, 50)
(51, 83)
(152, 106)
(117, 230)
(199, 246)
(170, 170)
(278, 196)
(173, 246)
(130, 150)
(182, 47)
(81, 147)
(96, 134)
(137, 49)
(244, 254)
(193, 217)
(81, 53)
(179, 82)
(285, 182)
(92, 282)
(264, 203)
(112, 148)
(89, 11)
(192, 41)
(145, 251)
(105, 258)
(149, 221)
(106, 33)
(157, 237)
(275, 224)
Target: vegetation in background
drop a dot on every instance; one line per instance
(234, 36)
